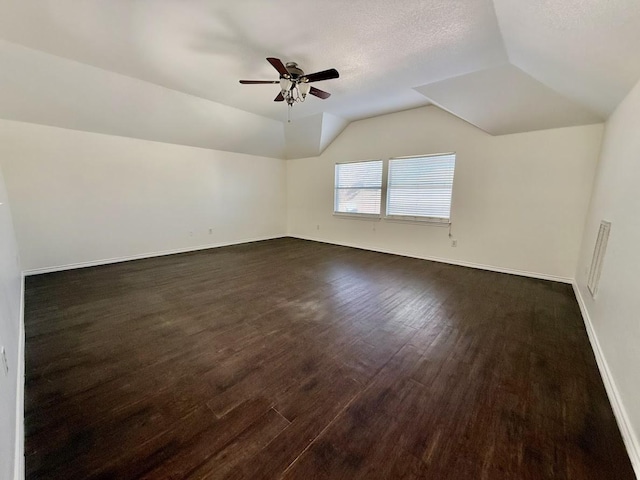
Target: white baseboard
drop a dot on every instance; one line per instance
(18, 463)
(624, 424)
(510, 271)
(106, 261)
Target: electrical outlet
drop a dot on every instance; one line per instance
(318, 227)
(191, 234)
(4, 365)
(454, 243)
(210, 231)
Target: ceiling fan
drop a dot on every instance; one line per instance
(294, 83)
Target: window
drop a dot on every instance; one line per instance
(420, 187)
(358, 187)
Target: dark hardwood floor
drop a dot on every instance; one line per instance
(300, 360)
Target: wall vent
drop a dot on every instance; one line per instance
(598, 256)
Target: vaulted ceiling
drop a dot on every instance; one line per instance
(168, 70)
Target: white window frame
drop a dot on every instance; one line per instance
(357, 214)
(440, 221)
(432, 221)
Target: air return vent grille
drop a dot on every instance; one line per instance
(598, 256)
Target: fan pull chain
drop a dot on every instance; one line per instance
(289, 113)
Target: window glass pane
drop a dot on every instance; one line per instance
(358, 187)
(421, 186)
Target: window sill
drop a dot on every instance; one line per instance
(358, 216)
(434, 222)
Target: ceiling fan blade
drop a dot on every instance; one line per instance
(319, 93)
(278, 65)
(324, 75)
(257, 82)
(279, 98)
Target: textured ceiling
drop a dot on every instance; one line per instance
(204, 47)
(577, 58)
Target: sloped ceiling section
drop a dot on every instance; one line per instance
(309, 136)
(302, 137)
(168, 70)
(332, 127)
(511, 102)
(586, 50)
(39, 88)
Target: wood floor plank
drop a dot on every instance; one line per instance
(294, 359)
(309, 420)
(241, 449)
(216, 449)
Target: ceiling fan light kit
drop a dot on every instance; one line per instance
(294, 84)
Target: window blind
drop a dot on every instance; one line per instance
(421, 187)
(358, 187)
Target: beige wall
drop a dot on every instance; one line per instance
(519, 201)
(85, 197)
(615, 312)
(11, 338)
